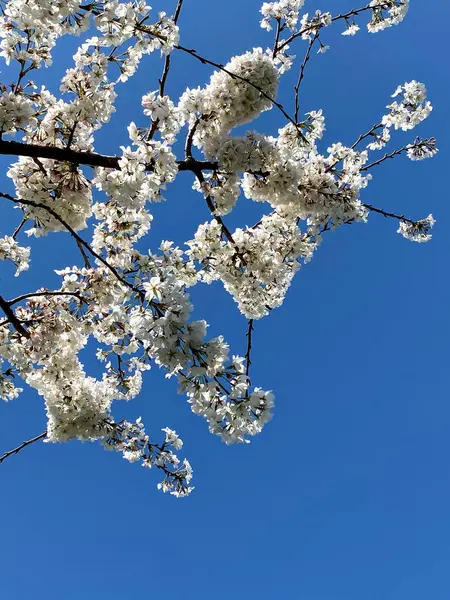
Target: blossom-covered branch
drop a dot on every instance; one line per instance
(134, 303)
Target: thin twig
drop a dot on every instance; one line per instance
(277, 37)
(351, 13)
(41, 436)
(380, 211)
(363, 136)
(386, 157)
(226, 232)
(302, 74)
(165, 73)
(73, 233)
(248, 359)
(87, 263)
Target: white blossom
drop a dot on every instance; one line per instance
(418, 231)
(19, 255)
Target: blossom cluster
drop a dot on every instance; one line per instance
(135, 445)
(19, 255)
(283, 10)
(230, 100)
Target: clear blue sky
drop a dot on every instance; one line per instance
(346, 494)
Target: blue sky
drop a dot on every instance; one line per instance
(346, 493)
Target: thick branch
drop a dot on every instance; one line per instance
(9, 314)
(46, 293)
(90, 159)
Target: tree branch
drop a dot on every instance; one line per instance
(226, 232)
(41, 436)
(302, 74)
(380, 211)
(9, 314)
(386, 157)
(46, 293)
(165, 73)
(77, 237)
(206, 61)
(351, 13)
(249, 346)
(18, 228)
(277, 37)
(89, 159)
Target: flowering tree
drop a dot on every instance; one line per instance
(135, 304)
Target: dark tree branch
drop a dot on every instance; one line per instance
(248, 359)
(380, 211)
(206, 61)
(190, 139)
(9, 314)
(277, 38)
(302, 74)
(46, 293)
(165, 73)
(363, 136)
(41, 436)
(348, 15)
(18, 228)
(77, 237)
(226, 232)
(90, 159)
(386, 157)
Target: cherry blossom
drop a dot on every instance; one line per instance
(132, 303)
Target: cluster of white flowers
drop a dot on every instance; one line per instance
(309, 27)
(134, 306)
(412, 109)
(421, 149)
(386, 13)
(8, 391)
(19, 255)
(60, 186)
(258, 268)
(418, 231)
(228, 101)
(16, 112)
(134, 443)
(163, 113)
(120, 21)
(123, 219)
(30, 28)
(352, 29)
(294, 178)
(283, 10)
